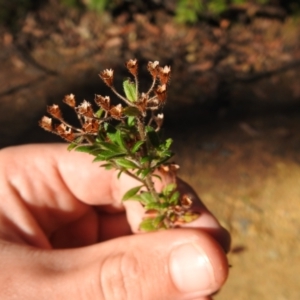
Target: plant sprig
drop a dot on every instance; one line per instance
(127, 138)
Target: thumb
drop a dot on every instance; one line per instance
(174, 264)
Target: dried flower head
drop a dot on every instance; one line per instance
(85, 109)
(70, 100)
(103, 102)
(54, 111)
(65, 132)
(161, 93)
(107, 76)
(153, 68)
(164, 74)
(46, 123)
(116, 112)
(132, 66)
(91, 126)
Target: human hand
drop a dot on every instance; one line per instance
(64, 234)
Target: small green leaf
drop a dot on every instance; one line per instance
(137, 146)
(125, 163)
(72, 146)
(107, 166)
(152, 136)
(147, 198)
(168, 189)
(120, 140)
(157, 176)
(131, 121)
(99, 113)
(86, 149)
(107, 155)
(130, 90)
(131, 193)
(145, 159)
(174, 198)
(111, 147)
(145, 172)
(147, 225)
(119, 174)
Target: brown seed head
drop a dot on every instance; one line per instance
(186, 201)
(54, 111)
(66, 133)
(164, 74)
(116, 112)
(132, 66)
(142, 103)
(161, 93)
(46, 123)
(85, 109)
(153, 68)
(91, 126)
(103, 102)
(107, 76)
(70, 100)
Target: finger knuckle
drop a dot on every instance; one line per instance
(121, 276)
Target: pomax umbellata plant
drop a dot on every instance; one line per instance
(126, 137)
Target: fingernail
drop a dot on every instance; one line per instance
(191, 270)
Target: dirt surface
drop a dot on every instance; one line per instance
(233, 111)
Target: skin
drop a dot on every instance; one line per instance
(65, 234)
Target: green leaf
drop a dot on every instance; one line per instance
(131, 193)
(157, 206)
(157, 176)
(107, 166)
(99, 113)
(174, 198)
(153, 136)
(107, 155)
(145, 159)
(72, 146)
(111, 147)
(87, 149)
(145, 172)
(168, 189)
(119, 174)
(131, 111)
(137, 146)
(147, 198)
(130, 90)
(131, 121)
(120, 140)
(125, 163)
(147, 225)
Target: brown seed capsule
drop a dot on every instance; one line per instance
(164, 74)
(91, 126)
(70, 100)
(103, 102)
(107, 76)
(132, 66)
(161, 93)
(54, 111)
(186, 201)
(66, 133)
(85, 109)
(46, 123)
(142, 103)
(153, 68)
(116, 112)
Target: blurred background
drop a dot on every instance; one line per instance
(233, 106)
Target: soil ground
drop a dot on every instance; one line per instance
(233, 112)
